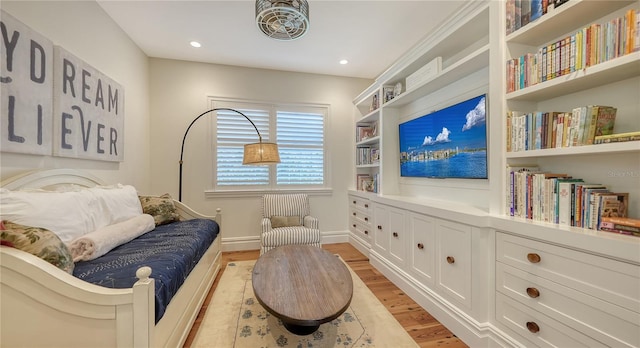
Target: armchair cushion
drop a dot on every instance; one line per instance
(284, 221)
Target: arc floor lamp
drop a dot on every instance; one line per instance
(254, 154)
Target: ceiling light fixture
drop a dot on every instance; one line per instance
(344, 61)
(283, 19)
(195, 44)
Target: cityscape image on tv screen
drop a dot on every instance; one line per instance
(448, 143)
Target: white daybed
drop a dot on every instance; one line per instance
(43, 306)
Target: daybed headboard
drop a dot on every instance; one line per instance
(50, 178)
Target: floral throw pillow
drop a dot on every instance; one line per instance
(161, 208)
(39, 242)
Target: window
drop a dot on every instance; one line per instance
(299, 132)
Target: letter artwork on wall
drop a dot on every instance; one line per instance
(88, 114)
(27, 89)
(54, 103)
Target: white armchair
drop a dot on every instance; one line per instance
(286, 220)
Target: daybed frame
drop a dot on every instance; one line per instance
(43, 306)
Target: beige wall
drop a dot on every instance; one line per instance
(179, 92)
(163, 96)
(82, 28)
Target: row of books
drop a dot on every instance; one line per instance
(367, 155)
(561, 199)
(623, 225)
(366, 182)
(522, 12)
(545, 130)
(586, 47)
(366, 131)
(617, 137)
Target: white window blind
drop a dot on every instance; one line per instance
(301, 143)
(233, 131)
(300, 138)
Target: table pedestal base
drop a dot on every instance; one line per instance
(300, 330)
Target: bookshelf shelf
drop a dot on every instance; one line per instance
(369, 141)
(626, 147)
(372, 165)
(475, 61)
(372, 116)
(611, 71)
(564, 19)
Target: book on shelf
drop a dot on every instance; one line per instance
(513, 186)
(617, 137)
(623, 225)
(566, 201)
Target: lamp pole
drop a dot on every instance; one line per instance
(187, 132)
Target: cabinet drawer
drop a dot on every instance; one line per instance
(615, 326)
(610, 280)
(361, 204)
(363, 230)
(537, 329)
(362, 217)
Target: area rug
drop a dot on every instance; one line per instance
(234, 318)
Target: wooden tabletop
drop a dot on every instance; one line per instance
(302, 285)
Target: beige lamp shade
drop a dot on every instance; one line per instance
(261, 153)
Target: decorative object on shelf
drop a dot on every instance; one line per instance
(397, 90)
(283, 19)
(374, 102)
(254, 154)
(423, 74)
(388, 93)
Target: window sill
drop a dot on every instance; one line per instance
(209, 194)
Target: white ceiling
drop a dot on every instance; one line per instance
(370, 34)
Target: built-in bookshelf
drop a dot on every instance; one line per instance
(456, 51)
(586, 76)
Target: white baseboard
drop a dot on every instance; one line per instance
(253, 242)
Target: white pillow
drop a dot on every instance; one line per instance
(119, 202)
(67, 214)
(71, 214)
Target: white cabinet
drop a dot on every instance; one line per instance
(390, 235)
(422, 250)
(454, 254)
(361, 222)
(543, 287)
(381, 232)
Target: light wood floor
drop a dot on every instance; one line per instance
(424, 329)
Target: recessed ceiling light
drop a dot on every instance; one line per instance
(195, 44)
(344, 61)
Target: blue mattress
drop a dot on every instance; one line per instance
(171, 250)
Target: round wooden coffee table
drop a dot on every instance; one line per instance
(302, 285)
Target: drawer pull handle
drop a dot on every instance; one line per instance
(354, 202)
(420, 246)
(366, 205)
(395, 234)
(354, 214)
(366, 232)
(450, 259)
(379, 227)
(354, 225)
(533, 292)
(533, 327)
(533, 258)
(366, 219)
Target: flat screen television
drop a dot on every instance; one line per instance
(448, 143)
